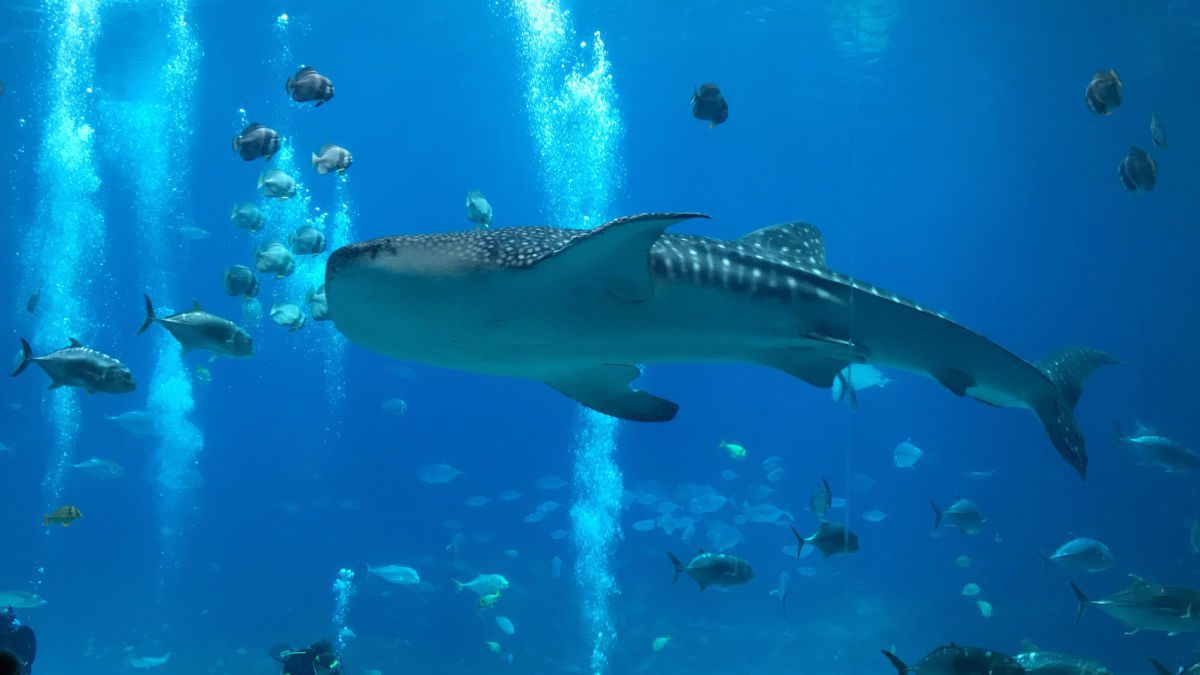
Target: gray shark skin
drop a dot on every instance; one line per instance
(1145, 605)
(576, 309)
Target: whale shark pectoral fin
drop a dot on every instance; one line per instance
(815, 369)
(955, 380)
(618, 253)
(605, 388)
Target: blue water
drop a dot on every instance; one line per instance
(944, 150)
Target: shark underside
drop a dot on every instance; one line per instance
(577, 309)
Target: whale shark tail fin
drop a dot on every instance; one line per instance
(1068, 369)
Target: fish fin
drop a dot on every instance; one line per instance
(605, 388)
(150, 318)
(678, 566)
(196, 306)
(319, 104)
(617, 253)
(1160, 668)
(289, 86)
(26, 358)
(55, 385)
(75, 343)
(712, 125)
(799, 542)
(937, 516)
(955, 380)
(814, 368)
(261, 181)
(799, 243)
(458, 585)
(900, 666)
(1131, 632)
(1067, 369)
(313, 160)
(1083, 600)
(1045, 562)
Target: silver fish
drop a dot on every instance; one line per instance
(713, 569)
(307, 240)
(1158, 133)
(197, 329)
(277, 184)
(78, 366)
(963, 513)
(331, 158)
(274, 258)
(1145, 605)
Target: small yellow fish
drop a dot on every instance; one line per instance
(493, 646)
(203, 374)
(64, 515)
(487, 601)
(735, 451)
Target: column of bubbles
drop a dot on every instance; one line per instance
(305, 286)
(171, 396)
(577, 132)
(343, 590)
(63, 251)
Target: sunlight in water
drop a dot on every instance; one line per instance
(161, 118)
(577, 132)
(65, 246)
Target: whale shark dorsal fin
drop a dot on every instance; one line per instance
(76, 343)
(196, 306)
(605, 388)
(1135, 580)
(618, 252)
(795, 242)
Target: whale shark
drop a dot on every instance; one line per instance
(582, 310)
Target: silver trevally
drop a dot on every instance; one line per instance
(436, 474)
(138, 422)
(853, 379)
(1166, 453)
(829, 539)
(396, 574)
(906, 455)
(963, 513)
(577, 309)
(79, 366)
(1038, 661)
(1081, 555)
(21, 600)
(100, 468)
(1145, 605)
(197, 329)
(713, 569)
(484, 584)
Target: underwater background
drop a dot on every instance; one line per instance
(943, 148)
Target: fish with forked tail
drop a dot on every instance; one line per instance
(1145, 605)
(197, 329)
(577, 309)
(713, 569)
(78, 366)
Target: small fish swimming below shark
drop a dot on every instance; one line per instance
(576, 309)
